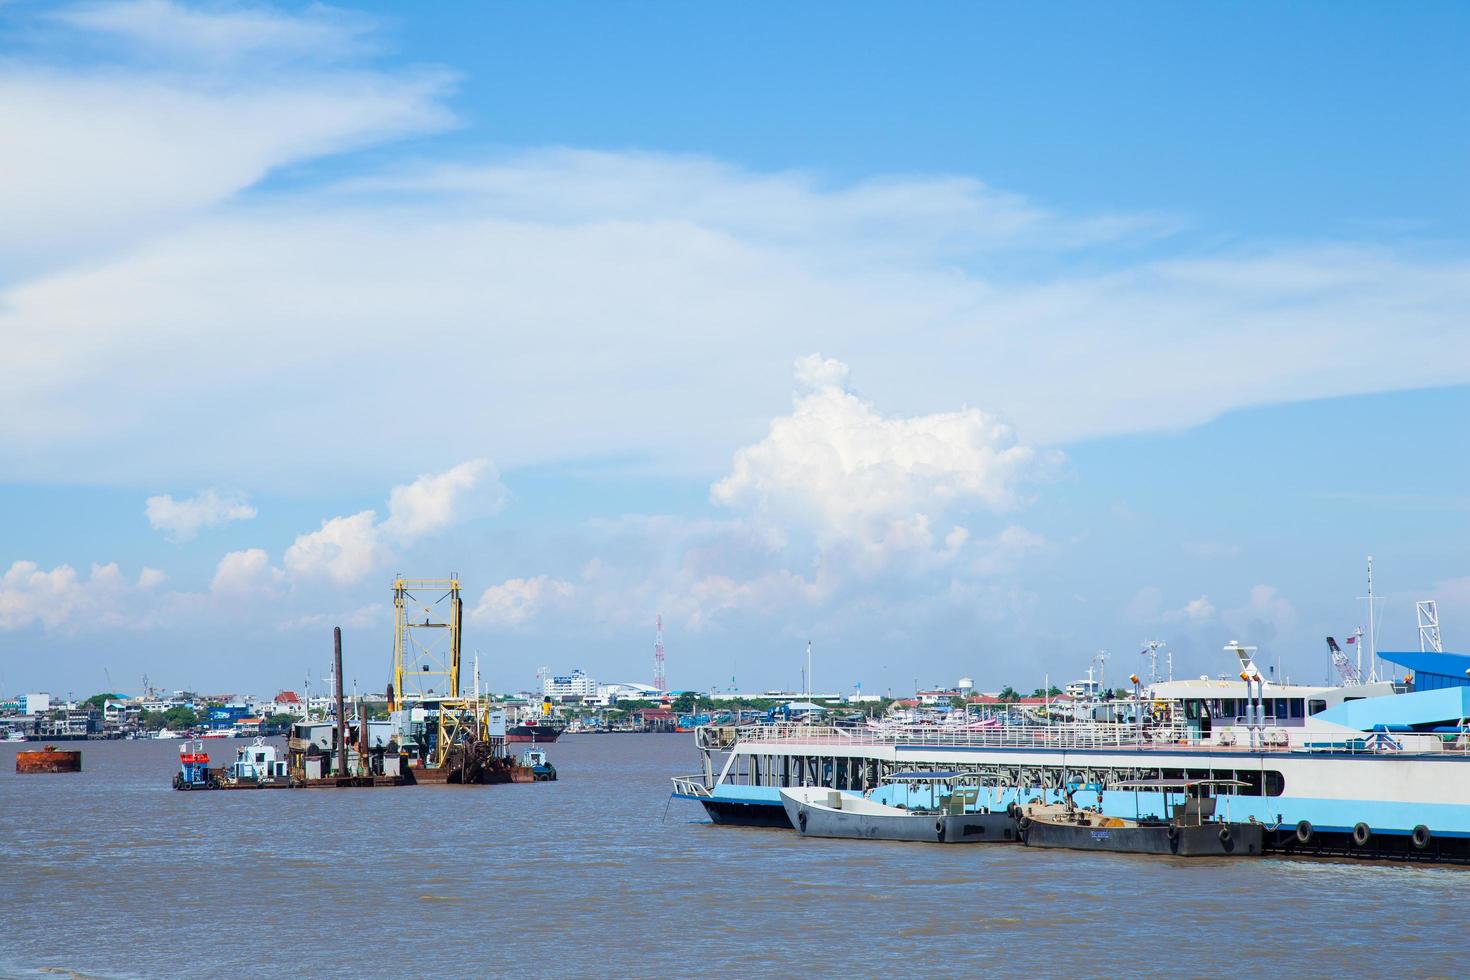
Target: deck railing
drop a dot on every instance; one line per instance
(1087, 736)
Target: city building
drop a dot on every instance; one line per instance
(569, 687)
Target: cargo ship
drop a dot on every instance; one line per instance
(533, 732)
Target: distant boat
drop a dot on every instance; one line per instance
(165, 733)
(218, 733)
(533, 733)
(15, 735)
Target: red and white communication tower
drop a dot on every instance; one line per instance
(658, 654)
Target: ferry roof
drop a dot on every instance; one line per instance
(1230, 687)
(1429, 662)
(1152, 784)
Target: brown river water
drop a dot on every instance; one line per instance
(112, 873)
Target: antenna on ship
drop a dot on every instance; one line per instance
(1372, 638)
(659, 680)
(1152, 653)
(1427, 613)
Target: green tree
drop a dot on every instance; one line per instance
(282, 720)
(99, 700)
(1009, 694)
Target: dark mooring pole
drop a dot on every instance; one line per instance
(341, 710)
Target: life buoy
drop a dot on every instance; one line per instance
(1421, 837)
(1362, 833)
(1304, 832)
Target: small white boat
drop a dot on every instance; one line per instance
(218, 733)
(15, 735)
(165, 733)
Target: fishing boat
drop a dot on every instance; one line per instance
(1190, 828)
(938, 809)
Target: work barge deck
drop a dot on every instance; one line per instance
(433, 735)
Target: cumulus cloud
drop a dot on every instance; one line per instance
(182, 519)
(244, 573)
(61, 599)
(347, 549)
(854, 473)
(436, 500)
(518, 600)
(343, 549)
(1197, 610)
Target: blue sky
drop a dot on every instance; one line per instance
(967, 341)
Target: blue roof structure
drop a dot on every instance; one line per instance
(1446, 664)
(1433, 670)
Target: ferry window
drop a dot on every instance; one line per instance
(1280, 707)
(1296, 707)
(1315, 705)
(1227, 706)
(1275, 783)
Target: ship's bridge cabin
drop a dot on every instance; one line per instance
(1209, 704)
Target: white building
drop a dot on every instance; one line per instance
(569, 687)
(35, 704)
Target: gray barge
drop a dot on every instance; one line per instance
(816, 811)
(1191, 830)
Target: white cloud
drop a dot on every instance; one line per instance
(1198, 610)
(343, 549)
(106, 155)
(224, 33)
(60, 599)
(150, 578)
(518, 600)
(853, 473)
(436, 500)
(347, 549)
(182, 519)
(244, 573)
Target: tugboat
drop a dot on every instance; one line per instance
(194, 770)
(1190, 830)
(533, 767)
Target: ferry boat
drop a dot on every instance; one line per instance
(1370, 769)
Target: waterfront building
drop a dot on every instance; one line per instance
(569, 687)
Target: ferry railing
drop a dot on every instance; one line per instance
(1122, 736)
(691, 786)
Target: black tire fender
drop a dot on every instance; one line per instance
(801, 820)
(1024, 823)
(1304, 832)
(1362, 833)
(1173, 832)
(1421, 837)
(1225, 835)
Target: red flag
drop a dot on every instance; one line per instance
(1352, 639)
